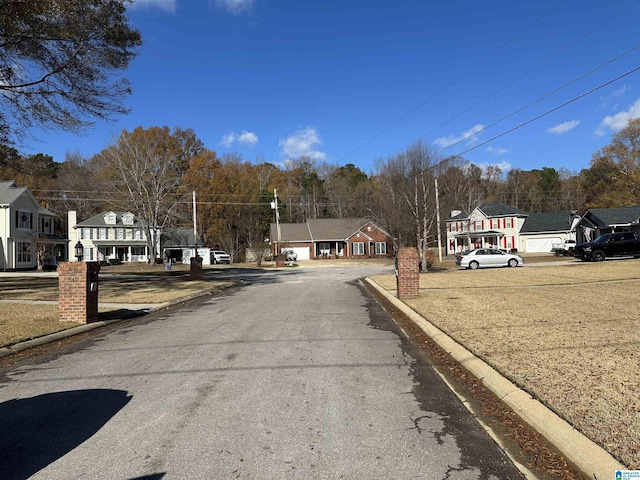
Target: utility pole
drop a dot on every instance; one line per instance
(274, 206)
(438, 222)
(195, 229)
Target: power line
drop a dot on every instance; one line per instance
(467, 72)
(546, 60)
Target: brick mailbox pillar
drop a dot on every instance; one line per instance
(408, 273)
(195, 270)
(78, 292)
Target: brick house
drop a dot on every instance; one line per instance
(333, 238)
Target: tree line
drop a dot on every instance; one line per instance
(153, 173)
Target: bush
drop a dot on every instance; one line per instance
(115, 261)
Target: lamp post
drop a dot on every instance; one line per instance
(79, 251)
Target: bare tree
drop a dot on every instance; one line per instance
(408, 183)
(144, 168)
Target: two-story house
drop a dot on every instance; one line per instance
(494, 224)
(27, 234)
(110, 236)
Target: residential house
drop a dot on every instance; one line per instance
(598, 221)
(111, 236)
(541, 230)
(333, 238)
(27, 231)
(180, 244)
(494, 225)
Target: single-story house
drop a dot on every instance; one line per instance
(598, 221)
(332, 238)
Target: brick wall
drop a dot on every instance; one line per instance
(77, 301)
(408, 274)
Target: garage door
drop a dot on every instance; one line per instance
(302, 252)
(534, 245)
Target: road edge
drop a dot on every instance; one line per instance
(587, 456)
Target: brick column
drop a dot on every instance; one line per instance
(195, 270)
(407, 273)
(78, 292)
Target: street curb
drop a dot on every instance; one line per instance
(53, 337)
(588, 457)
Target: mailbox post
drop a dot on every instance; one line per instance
(78, 292)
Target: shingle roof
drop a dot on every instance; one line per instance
(179, 237)
(615, 216)
(499, 209)
(9, 192)
(99, 221)
(291, 232)
(548, 222)
(319, 229)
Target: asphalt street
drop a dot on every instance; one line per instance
(297, 374)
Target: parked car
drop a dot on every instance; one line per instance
(609, 245)
(218, 256)
(489, 257)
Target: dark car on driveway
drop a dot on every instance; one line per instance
(609, 245)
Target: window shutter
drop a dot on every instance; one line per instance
(30, 220)
(17, 219)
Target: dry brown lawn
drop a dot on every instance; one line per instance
(569, 335)
(20, 320)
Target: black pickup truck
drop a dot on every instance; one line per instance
(609, 245)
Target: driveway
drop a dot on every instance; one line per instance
(296, 375)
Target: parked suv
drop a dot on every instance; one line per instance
(609, 245)
(218, 256)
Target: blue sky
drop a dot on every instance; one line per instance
(353, 81)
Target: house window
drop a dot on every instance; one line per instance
(86, 234)
(495, 224)
(110, 218)
(478, 225)
(47, 225)
(24, 252)
(23, 219)
(357, 248)
(507, 223)
(127, 219)
(137, 234)
(102, 234)
(381, 248)
(120, 234)
(88, 254)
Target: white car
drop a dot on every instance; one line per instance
(218, 256)
(489, 257)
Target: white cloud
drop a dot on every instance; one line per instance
(564, 127)
(606, 100)
(303, 143)
(615, 123)
(470, 135)
(166, 5)
(497, 151)
(235, 6)
(248, 139)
